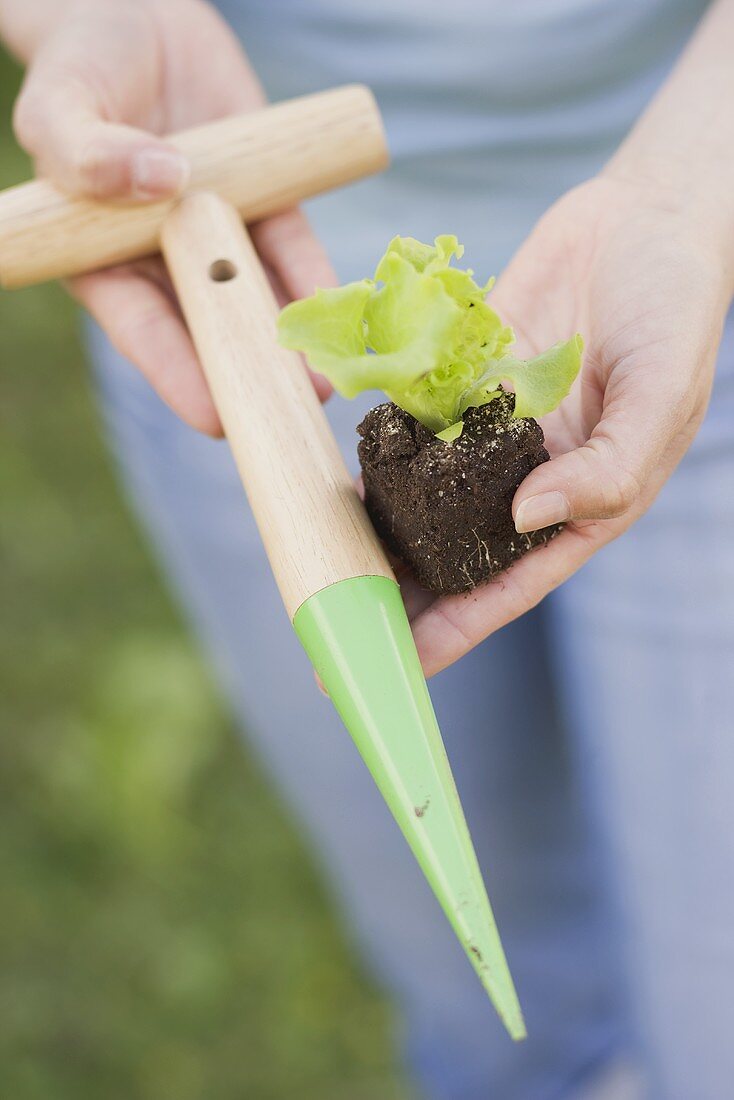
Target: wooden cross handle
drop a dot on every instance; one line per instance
(311, 520)
(259, 163)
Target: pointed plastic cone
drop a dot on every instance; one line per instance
(358, 637)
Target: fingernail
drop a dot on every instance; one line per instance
(159, 172)
(541, 511)
(320, 686)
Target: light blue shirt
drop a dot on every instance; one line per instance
(493, 108)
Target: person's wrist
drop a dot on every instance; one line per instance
(702, 201)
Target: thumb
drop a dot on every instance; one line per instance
(596, 481)
(611, 473)
(59, 119)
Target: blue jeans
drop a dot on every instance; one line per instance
(593, 747)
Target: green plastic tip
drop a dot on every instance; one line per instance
(358, 637)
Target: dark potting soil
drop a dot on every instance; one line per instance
(445, 509)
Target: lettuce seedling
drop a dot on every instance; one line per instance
(422, 332)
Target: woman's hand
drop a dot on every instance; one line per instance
(641, 262)
(104, 76)
(642, 273)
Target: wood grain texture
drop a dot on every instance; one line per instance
(313, 525)
(260, 163)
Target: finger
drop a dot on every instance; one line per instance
(294, 255)
(281, 295)
(60, 119)
(453, 625)
(415, 598)
(287, 243)
(643, 426)
(143, 323)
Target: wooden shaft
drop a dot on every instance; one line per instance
(260, 163)
(311, 520)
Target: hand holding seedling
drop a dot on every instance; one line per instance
(636, 269)
(104, 76)
(643, 273)
(640, 261)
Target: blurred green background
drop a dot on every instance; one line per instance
(162, 932)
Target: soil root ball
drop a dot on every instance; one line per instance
(445, 509)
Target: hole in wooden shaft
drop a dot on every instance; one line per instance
(221, 271)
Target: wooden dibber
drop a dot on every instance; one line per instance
(333, 575)
(314, 527)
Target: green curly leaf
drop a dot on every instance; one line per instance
(422, 332)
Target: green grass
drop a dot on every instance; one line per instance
(157, 939)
